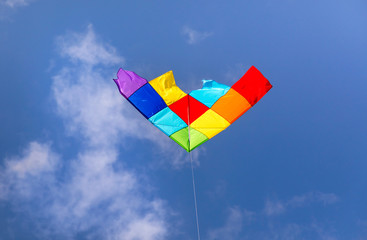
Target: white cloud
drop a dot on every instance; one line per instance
(289, 231)
(243, 224)
(278, 207)
(194, 36)
(92, 193)
(273, 208)
(323, 233)
(86, 48)
(311, 197)
(97, 195)
(16, 3)
(36, 159)
(232, 227)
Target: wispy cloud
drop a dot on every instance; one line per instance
(243, 224)
(95, 197)
(37, 158)
(16, 3)
(231, 228)
(88, 49)
(92, 193)
(275, 207)
(194, 36)
(313, 197)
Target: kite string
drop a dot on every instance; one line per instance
(194, 189)
(192, 172)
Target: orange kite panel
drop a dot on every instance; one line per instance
(231, 106)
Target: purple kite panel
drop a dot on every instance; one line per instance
(128, 82)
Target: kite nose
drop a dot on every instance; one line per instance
(207, 83)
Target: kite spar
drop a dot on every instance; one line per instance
(192, 119)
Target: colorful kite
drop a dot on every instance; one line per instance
(192, 119)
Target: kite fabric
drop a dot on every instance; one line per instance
(191, 119)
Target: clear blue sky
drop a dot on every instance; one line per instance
(78, 162)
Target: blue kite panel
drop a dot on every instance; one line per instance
(210, 92)
(147, 100)
(168, 121)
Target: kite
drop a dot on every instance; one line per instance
(194, 118)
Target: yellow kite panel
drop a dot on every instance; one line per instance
(210, 123)
(166, 87)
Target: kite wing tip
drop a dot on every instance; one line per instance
(119, 72)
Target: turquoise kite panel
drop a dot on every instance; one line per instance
(210, 92)
(168, 121)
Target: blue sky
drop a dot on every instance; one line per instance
(78, 162)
